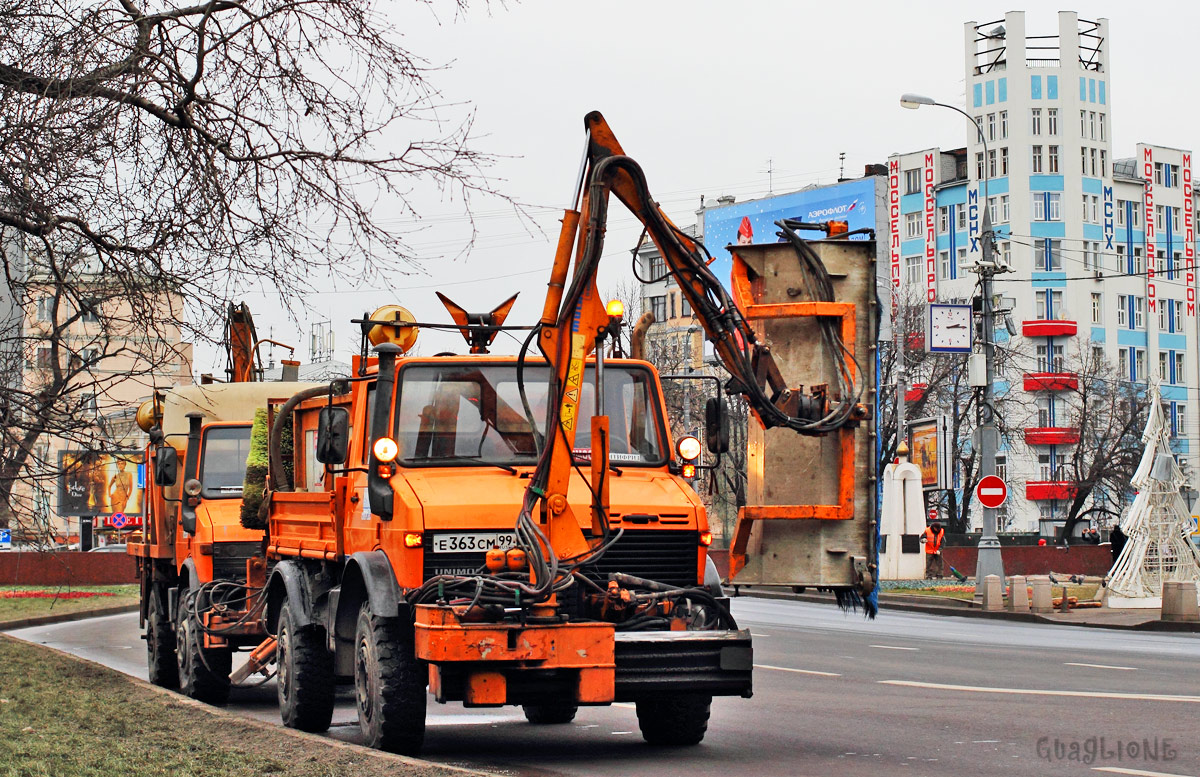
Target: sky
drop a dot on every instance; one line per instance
(711, 98)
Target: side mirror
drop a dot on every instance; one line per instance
(333, 435)
(716, 425)
(166, 466)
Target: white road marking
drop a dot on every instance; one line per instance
(619, 733)
(1039, 692)
(892, 647)
(760, 636)
(1138, 772)
(985, 741)
(1101, 666)
(797, 671)
(624, 704)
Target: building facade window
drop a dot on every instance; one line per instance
(1036, 159)
(1122, 310)
(1052, 159)
(912, 270)
(960, 215)
(1180, 375)
(943, 219)
(1052, 121)
(1102, 127)
(1139, 312)
(1004, 161)
(1097, 308)
(1035, 121)
(991, 126)
(45, 308)
(658, 307)
(658, 268)
(912, 226)
(912, 181)
(1004, 125)
(1139, 363)
(944, 265)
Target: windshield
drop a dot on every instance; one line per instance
(223, 466)
(457, 414)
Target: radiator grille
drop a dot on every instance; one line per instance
(663, 556)
(229, 559)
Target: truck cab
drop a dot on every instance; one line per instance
(387, 543)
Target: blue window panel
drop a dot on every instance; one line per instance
(995, 186)
(1003, 88)
(913, 247)
(1174, 421)
(952, 194)
(1052, 87)
(1131, 337)
(1044, 183)
(1177, 393)
(978, 95)
(912, 203)
(1082, 89)
(1098, 334)
(990, 88)
(1048, 280)
(1167, 181)
(1102, 90)
(1171, 370)
(1035, 87)
(1093, 232)
(1175, 341)
(1179, 445)
(1091, 90)
(1132, 367)
(1048, 229)
(1093, 186)
(1170, 322)
(953, 244)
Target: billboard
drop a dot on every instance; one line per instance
(929, 449)
(91, 483)
(753, 221)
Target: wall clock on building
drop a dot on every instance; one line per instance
(949, 329)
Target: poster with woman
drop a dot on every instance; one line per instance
(92, 483)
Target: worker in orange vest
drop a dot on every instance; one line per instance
(934, 536)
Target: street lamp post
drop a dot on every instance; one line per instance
(989, 561)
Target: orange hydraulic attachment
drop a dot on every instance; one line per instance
(494, 651)
(259, 658)
(744, 295)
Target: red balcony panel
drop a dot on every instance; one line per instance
(1049, 489)
(1049, 328)
(916, 392)
(1051, 381)
(1050, 435)
(914, 341)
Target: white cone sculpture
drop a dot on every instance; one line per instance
(1158, 548)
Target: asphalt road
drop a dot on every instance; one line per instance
(838, 695)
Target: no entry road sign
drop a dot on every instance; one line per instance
(991, 491)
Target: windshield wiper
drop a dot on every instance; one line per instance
(471, 458)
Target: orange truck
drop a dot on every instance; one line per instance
(195, 558)
(519, 530)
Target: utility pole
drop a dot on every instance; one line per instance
(989, 561)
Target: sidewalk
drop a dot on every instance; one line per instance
(1096, 617)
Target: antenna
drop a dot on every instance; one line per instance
(270, 348)
(770, 171)
(841, 165)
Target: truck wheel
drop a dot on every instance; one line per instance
(677, 720)
(160, 642)
(549, 714)
(305, 680)
(389, 683)
(203, 674)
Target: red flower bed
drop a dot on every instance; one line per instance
(52, 594)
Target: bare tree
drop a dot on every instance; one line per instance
(1109, 414)
(159, 152)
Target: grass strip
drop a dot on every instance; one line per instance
(60, 717)
(19, 608)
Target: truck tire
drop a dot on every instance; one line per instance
(549, 714)
(677, 720)
(160, 642)
(389, 684)
(203, 674)
(305, 682)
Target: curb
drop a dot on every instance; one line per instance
(46, 620)
(906, 605)
(269, 728)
